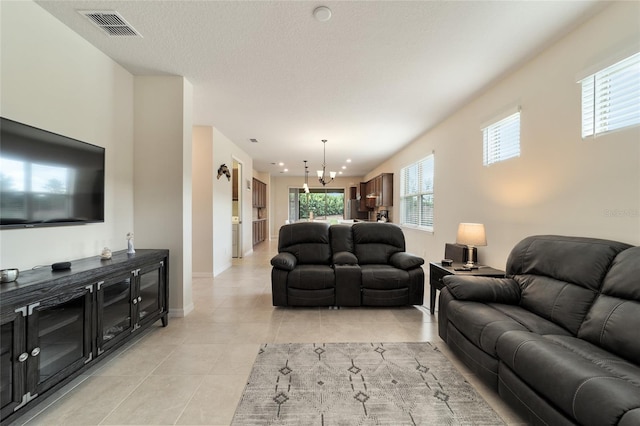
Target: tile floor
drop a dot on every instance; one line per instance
(193, 372)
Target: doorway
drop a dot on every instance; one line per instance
(318, 204)
(236, 210)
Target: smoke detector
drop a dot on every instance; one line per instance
(322, 13)
(110, 22)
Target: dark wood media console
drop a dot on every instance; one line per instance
(56, 324)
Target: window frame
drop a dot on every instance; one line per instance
(497, 142)
(596, 107)
(421, 189)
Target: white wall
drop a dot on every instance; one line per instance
(224, 151)
(55, 80)
(162, 178)
(212, 202)
(560, 184)
(203, 176)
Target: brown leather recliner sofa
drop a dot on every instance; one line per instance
(559, 338)
(365, 264)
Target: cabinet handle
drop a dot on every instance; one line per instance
(23, 357)
(139, 299)
(35, 352)
(134, 301)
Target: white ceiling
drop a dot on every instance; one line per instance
(370, 80)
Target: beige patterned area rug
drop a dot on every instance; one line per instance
(359, 384)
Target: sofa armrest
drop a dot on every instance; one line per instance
(285, 261)
(345, 258)
(483, 289)
(406, 261)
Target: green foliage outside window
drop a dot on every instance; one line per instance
(322, 204)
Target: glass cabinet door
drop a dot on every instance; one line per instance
(58, 338)
(114, 310)
(12, 366)
(150, 295)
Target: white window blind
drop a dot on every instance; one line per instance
(416, 194)
(501, 139)
(611, 97)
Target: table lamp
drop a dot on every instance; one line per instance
(471, 235)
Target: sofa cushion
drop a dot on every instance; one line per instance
(383, 277)
(397, 297)
(406, 261)
(311, 277)
(613, 322)
(577, 260)
(587, 384)
(341, 238)
(560, 276)
(298, 297)
(562, 302)
(483, 289)
(345, 258)
(307, 241)
(483, 324)
(374, 243)
(285, 261)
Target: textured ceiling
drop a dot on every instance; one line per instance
(370, 80)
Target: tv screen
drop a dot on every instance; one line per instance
(47, 179)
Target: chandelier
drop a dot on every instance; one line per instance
(322, 174)
(306, 178)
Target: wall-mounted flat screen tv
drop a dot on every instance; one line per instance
(48, 179)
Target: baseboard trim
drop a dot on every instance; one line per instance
(180, 313)
(202, 274)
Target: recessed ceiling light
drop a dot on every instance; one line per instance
(344, 167)
(286, 170)
(322, 13)
(281, 164)
(348, 160)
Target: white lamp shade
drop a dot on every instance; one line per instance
(332, 175)
(471, 234)
(320, 174)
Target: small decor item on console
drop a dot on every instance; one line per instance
(130, 249)
(106, 254)
(61, 266)
(9, 275)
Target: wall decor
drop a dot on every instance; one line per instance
(224, 170)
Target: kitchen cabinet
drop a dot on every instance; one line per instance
(259, 194)
(259, 231)
(379, 191)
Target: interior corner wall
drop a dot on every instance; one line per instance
(53, 79)
(162, 178)
(560, 184)
(212, 201)
(224, 152)
(203, 177)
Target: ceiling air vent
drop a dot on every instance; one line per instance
(254, 140)
(111, 23)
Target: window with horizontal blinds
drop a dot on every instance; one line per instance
(501, 140)
(611, 97)
(416, 194)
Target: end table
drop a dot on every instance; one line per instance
(437, 272)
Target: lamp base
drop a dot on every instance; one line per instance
(470, 264)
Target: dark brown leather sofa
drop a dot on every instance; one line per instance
(559, 338)
(340, 265)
